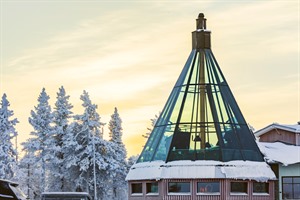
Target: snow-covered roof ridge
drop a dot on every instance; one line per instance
(9, 181)
(295, 128)
(278, 152)
(66, 193)
(186, 169)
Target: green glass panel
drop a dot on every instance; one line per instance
(201, 119)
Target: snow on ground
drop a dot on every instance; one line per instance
(280, 152)
(156, 170)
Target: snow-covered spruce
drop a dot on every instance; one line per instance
(117, 181)
(153, 122)
(8, 153)
(91, 150)
(58, 173)
(38, 146)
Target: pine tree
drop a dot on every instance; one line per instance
(62, 114)
(71, 159)
(38, 147)
(153, 121)
(30, 175)
(119, 154)
(89, 158)
(8, 153)
(131, 161)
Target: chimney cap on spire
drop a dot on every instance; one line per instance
(201, 36)
(200, 15)
(201, 22)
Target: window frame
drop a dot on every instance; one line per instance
(261, 193)
(292, 184)
(208, 193)
(239, 193)
(152, 193)
(180, 193)
(136, 194)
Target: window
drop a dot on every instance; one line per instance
(208, 187)
(291, 187)
(152, 188)
(238, 187)
(260, 188)
(179, 187)
(136, 188)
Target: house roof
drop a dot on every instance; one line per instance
(295, 128)
(278, 152)
(8, 181)
(186, 169)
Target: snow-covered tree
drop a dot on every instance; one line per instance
(38, 147)
(115, 128)
(57, 169)
(132, 160)
(149, 130)
(29, 175)
(8, 153)
(90, 148)
(118, 175)
(71, 159)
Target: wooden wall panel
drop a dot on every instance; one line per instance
(279, 135)
(224, 191)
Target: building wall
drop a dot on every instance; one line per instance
(224, 191)
(290, 170)
(298, 139)
(276, 135)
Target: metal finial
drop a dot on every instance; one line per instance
(201, 21)
(200, 15)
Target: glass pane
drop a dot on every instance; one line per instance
(296, 180)
(287, 191)
(136, 188)
(296, 191)
(208, 187)
(175, 187)
(201, 119)
(152, 187)
(260, 187)
(287, 180)
(238, 187)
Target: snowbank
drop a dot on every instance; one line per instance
(156, 170)
(280, 152)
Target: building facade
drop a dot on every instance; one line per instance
(201, 146)
(201, 189)
(281, 147)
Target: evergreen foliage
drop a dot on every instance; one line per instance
(66, 152)
(149, 130)
(8, 153)
(62, 113)
(90, 147)
(39, 146)
(118, 183)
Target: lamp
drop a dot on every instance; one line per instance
(197, 139)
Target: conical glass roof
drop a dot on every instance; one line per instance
(201, 119)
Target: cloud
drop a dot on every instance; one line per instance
(131, 56)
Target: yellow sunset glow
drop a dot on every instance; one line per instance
(129, 54)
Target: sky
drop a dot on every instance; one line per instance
(128, 54)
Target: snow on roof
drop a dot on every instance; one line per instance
(279, 152)
(186, 169)
(9, 181)
(83, 193)
(295, 128)
(70, 194)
